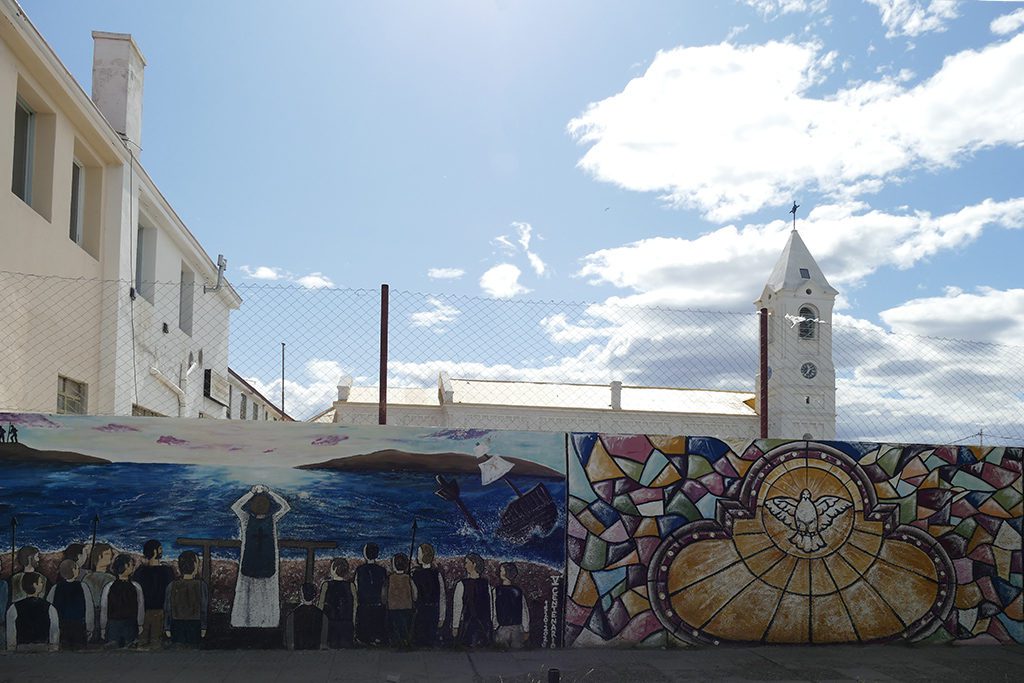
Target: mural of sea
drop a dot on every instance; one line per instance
(271, 510)
(56, 505)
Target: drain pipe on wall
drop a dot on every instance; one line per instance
(184, 388)
(178, 391)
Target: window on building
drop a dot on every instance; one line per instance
(808, 323)
(244, 407)
(231, 399)
(805, 273)
(24, 150)
(145, 262)
(186, 297)
(77, 202)
(71, 396)
(255, 410)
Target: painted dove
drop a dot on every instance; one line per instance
(807, 518)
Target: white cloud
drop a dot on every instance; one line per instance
(772, 8)
(1008, 23)
(729, 130)
(445, 273)
(502, 281)
(264, 273)
(914, 17)
(726, 269)
(525, 232)
(303, 399)
(439, 314)
(539, 267)
(315, 281)
(505, 244)
(735, 31)
(523, 237)
(986, 315)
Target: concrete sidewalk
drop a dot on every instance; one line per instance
(831, 663)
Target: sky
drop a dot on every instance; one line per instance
(625, 154)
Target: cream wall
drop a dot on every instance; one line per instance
(546, 419)
(66, 308)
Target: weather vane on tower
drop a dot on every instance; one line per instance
(793, 211)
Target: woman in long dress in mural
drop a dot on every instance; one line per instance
(257, 591)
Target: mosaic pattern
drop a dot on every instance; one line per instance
(696, 540)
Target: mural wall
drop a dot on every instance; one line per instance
(199, 532)
(154, 532)
(694, 540)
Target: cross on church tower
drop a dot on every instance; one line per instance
(793, 211)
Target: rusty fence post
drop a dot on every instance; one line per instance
(763, 374)
(382, 408)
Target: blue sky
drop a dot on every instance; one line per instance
(645, 153)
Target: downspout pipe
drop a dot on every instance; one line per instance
(178, 391)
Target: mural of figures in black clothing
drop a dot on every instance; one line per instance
(472, 618)
(430, 601)
(154, 577)
(338, 601)
(511, 610)
(4, 596)
(371, 612)
(306, 626)
(401, 593)
(28, 560)
(186, 603)
(32, 623)
(74, 604)
(257, 591)
(101, 555)
(122, 606)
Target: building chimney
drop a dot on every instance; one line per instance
(616, 395)
(344, 387)
(445, 392)
(117, 66)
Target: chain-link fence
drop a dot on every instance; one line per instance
(114, 347)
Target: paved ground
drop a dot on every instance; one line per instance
(840, 663)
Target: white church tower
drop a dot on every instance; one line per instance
(801, 376)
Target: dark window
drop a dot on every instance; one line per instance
(77, 177)
(24, 125)
(805, 273)
(808, 323)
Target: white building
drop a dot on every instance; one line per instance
(245, 402)
(801, 384)
(104, 308)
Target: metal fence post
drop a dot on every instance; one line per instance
(763, 388)
(382, 408)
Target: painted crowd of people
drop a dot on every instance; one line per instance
(118, 602)
(408, 606)
(102, 596)
(122, 602)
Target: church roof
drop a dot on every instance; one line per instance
(795, 257)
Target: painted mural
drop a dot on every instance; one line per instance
(154, 532)
(699, 541)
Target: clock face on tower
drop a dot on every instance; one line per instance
(809, 370)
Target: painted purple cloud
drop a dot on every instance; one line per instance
(459, 434)
(115, 428)
(33, 420)
(172, 441)
(330, 440)
(270, 450)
